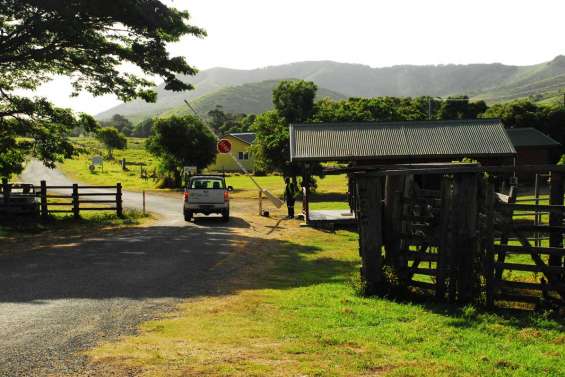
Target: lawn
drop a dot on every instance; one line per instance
(330, 188)
(293, 311)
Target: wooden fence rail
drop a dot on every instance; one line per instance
(64, 199)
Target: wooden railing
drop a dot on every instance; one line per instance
(63, 199)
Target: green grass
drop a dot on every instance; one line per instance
(89, 221)
(293, 312)
(331, 189)
(111, 173)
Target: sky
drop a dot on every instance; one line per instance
(250, 34)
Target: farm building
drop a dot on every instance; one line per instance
(241, 150)
(533, 147)
(391, 143)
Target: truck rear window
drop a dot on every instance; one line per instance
(207, 184)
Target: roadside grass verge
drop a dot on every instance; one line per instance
(90, 221)
(292, 310)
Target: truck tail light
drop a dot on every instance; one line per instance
(226, 196)
(186, 196)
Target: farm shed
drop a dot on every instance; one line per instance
(533, 147)
(390, 143)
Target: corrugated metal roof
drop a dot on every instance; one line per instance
(390, 140)
(246, 137)
(530, 137)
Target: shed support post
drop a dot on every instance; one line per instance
(369, 195)
(306, 193)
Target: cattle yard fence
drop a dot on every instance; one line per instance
(46, 200)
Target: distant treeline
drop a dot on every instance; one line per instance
(549, 119)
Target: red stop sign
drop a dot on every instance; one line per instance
(224, 146)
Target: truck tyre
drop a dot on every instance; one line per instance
(226, 215)
(187, 216)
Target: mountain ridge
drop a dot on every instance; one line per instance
(489, 81)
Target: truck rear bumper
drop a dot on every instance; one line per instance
(206, 208)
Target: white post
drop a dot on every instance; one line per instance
(143, 202)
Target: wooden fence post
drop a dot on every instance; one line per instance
(489, 242)
(556, 217)
(43, 196)
(119, 203)
(509, 215)
(369, 196)
(76, 202)
(144, 209)
(444, 237)
(466, 248)
(5, 190)
(394, 187)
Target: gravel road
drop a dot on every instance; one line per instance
(76, 292)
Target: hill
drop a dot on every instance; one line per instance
(246, 98)
(492, 82)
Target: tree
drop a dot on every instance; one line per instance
(271, 148)
(461, 108)
(143, 129)
(224, 123)
(294, 102)
(520, 113)
(112, 139)
(181, 141)
(294, 99)
(89, 41)
(121, 123)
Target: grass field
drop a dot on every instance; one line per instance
(330, 188)
(293, 311)
(111, 172)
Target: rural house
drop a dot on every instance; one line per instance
(241, 149)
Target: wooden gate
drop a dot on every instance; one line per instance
(461, 239)
(519, 250)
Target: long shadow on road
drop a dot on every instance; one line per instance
(137, 263)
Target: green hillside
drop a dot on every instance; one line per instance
(245, 90)
(248, 98)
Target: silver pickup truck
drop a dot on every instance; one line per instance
(207, 194)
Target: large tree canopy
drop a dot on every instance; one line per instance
(90, 42)
(181, 141)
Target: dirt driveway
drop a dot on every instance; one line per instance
(62, 294)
